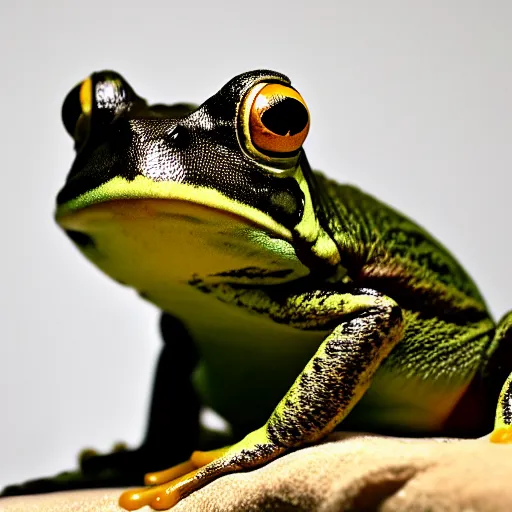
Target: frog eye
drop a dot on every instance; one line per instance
(278, 120)
(93, 105)
(77, 102)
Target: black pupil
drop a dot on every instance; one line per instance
(287, 116)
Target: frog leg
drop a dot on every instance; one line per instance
(368, 326)
(173, 415)
(175, 365)
(500, 365)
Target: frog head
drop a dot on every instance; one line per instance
(222, 191)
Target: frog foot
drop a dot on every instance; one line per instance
(502, 435)
(120, 468)
(168, 487)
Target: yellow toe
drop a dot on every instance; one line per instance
(137, 498)
(202, 458)
(502, 435)
(161, 477)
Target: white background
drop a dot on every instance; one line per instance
(410, 100)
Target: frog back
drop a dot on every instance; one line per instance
(447, 326)
(383, 249)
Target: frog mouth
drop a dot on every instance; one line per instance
(142, 198)
(78, 222)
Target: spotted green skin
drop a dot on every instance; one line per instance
(361, 319)
(443, 340)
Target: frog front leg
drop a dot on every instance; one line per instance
(368, 326)
(171, 414)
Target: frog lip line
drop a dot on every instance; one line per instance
(138, 208)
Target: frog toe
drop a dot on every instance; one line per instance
(172, 485)
(200, 458)
(167, 475)
(502, 435)
(165, 495)
(88, 454)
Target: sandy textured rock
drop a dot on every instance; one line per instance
(348, 472)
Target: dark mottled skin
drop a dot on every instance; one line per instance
(325, 393)
(381, 247)
(506, 402)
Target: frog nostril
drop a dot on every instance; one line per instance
(179, 137)
(81, 239)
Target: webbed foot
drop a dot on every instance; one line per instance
(168, 487)
(64, 481)
(121, 468)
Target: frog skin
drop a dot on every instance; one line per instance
(292, 305)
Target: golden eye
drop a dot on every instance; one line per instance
(278, 119)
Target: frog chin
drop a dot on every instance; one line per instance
(153, 244)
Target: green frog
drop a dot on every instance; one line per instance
(292, 305)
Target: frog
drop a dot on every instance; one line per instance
(292, 305)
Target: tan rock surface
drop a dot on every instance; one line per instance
(353, 472)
